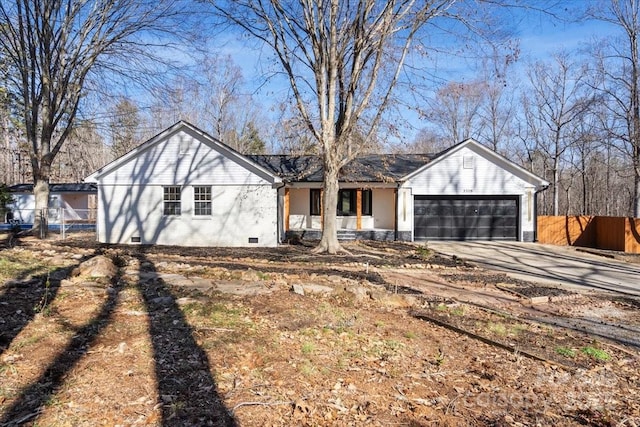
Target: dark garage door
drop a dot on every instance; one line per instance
(465, 218)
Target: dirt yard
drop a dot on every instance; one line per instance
(392, 334)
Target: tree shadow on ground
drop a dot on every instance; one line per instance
(33, 398)
(187, 391)
(23, 298)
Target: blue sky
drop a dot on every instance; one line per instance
(540, 37)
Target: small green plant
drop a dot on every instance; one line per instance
(43, 305)
(7, 368)
(566, 352)
(263, 276)
(458, 311)
(423, 251)
(308, 348)
(497, 328)
(393, 345)
(307, 369)
(439, 358)
(596, 353)
(518, 329)
(442, 307)
(410, 335)
(378, 324)
(30, 340)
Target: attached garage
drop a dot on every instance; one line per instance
(465, 218)
(468, 192)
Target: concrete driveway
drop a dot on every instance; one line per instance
(555, 265)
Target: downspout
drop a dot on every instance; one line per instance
(279, 213)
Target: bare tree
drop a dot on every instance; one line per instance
(292, 136)
(6, 152)
(456, 109)
(558, 100)
(427, 141)
(342, 60)
(83, 153)
(497, 111)
(620, 67)
(214, 97)
(124, 127)
(52, 48)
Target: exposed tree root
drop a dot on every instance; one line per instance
(324, 248)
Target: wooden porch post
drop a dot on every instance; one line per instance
(359, 209)
(286, 209)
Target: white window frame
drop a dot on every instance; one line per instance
(172, 196)
(202, 202)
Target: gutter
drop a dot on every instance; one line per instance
(279, 216)
(395, 214)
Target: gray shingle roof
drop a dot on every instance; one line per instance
(366, 168)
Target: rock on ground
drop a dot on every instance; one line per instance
(97, 267)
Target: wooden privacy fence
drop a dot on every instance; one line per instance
(601, 232)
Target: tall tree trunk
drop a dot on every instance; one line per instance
(41, 195)
(41, 176)
(329, 241)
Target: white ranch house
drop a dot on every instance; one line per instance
(184, 187)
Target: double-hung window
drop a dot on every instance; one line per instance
(202, 200)
(171, 198)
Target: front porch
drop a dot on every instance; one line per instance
(343, 235)
(362, 213)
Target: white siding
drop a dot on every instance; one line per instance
(481, 177)
(449, 177)
(239, 212)
(131, 206)
(164, 163)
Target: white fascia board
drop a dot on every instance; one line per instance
(503, 161)
(205, 137)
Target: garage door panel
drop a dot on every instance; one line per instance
(458, 209)
(485, 209)
(485, 233)
(485, 221)
(465, 218)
